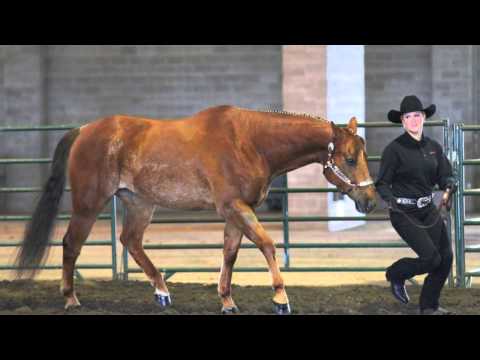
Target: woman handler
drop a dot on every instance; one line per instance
(410, 167)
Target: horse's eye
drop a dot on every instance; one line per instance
(350, 161)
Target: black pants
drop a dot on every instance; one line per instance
(433, 248)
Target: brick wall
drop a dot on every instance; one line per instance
(75, 84)
(452, 81)
(23, 103)
(3, 170)
(85, 82)
(453, 91)
(447, 76)
(391, 72)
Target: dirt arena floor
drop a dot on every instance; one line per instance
(195, 293)
(136, 297)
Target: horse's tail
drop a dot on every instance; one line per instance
(39, 230)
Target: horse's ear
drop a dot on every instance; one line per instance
(352, 125)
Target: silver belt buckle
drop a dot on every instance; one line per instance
(423, 201)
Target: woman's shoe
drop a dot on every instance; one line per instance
(399, 291)
(437, 311)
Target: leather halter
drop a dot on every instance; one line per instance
(330, 164)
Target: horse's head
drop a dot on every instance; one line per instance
(347, 166)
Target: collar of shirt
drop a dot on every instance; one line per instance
(407, 139)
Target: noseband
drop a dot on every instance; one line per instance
(330, 164)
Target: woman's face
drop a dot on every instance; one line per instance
(413, 122)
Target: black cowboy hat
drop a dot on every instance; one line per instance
(410, 103)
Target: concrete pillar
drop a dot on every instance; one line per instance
(328, 81)
(304, 91)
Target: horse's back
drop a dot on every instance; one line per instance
(157, 159)
(173, 162)
(135, 133)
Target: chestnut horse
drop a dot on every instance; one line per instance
(222, 158)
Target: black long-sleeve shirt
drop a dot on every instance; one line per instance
(411, 168)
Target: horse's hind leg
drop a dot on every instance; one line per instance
(87, 204)
(243, 216)
(137, 218)
(78, 231)
(232, 240)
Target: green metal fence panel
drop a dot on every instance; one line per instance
(38, 128)
(24, 189)
(59, 243)
(59, 217)
(108, 216)
(285, 219)
(193, 220)
(360, 245)
(56, 267)
(261, 269)
(464, 276)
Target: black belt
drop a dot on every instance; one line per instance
(419, 202)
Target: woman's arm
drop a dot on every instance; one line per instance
(445, 176)
(388, 163)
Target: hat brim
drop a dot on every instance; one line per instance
(394, 115)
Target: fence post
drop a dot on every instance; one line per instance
(456, 203)
(125, 253)
(113, 223)
(286, 231)
(448, 153)
(460, 210)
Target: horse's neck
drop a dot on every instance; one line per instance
(291, 143)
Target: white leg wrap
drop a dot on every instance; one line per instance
(161, 293)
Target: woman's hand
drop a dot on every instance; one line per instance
(447, 198)
(452, 186)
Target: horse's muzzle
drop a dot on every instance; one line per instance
(365, 207)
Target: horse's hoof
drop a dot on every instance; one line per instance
(163, 300)
(282, 309)
(71, 307)
(230, 310)
(72, 303)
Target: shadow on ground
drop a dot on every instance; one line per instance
(136, 297)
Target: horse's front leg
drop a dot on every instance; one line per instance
(232, 240)
(243, 217)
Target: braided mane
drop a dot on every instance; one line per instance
(288, 113)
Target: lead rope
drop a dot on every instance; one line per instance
(416, 225)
